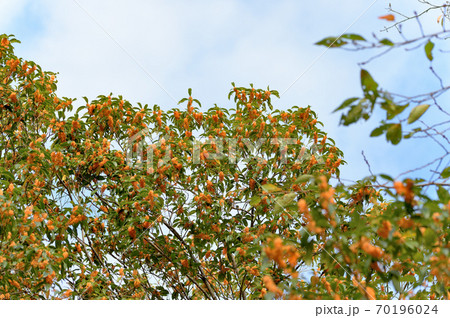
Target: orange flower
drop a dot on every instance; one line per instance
(252, 184)
(375, 266)
(385, 229)
(78, 247)
(370, 249)
(271, 286)
(132, 232)
(202, 236)
(57, 158)
(405, 223)
(337, 163)
(405, 191)
(89, 287)
(370, 293)
(15, 284)
(263, 292)
(75, 125)
(436, 217)
(185, 263)
(399, 187)
(10, 188)
(279, 251)
(13, 97)
(210, 186)
(224, 251)
(5, 42)
(302, 206)
(49, 278)
(240, 251)
(293, 256)
(388, 17)
(326, 285)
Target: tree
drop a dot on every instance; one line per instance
(120, 201)
(117, 201)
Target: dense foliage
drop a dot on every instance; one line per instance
(121, 201)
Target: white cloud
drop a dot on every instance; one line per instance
(10, 10)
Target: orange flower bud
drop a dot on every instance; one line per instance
(132, 232)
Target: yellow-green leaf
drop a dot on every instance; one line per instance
(429, 50)
(285, 200)
(303, 178)
(417, 112)
(255, 200)
(268, 187)
(394, 133)
(445, 173)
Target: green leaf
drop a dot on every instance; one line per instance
(408, 278)
(387, 42)
(386, 177)
(303, 178)
(443, 195)
(396, 283)
(332, 42)
(394, 134)
(412, 133)
(346, 103)
(412, 244)
(392, 109)
(430, 236)
(255, 201)
(268, 187)
(417, 112)
(418, 257)
(379, 130)
(353, 37)
(182, 101)
(198, 102)
(429, 50)
(285, 200)
(8, 175)
(445, 173)
(353, 115)
(367, 82)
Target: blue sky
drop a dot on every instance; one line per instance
(207, 45)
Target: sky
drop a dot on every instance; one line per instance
(153, 51)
